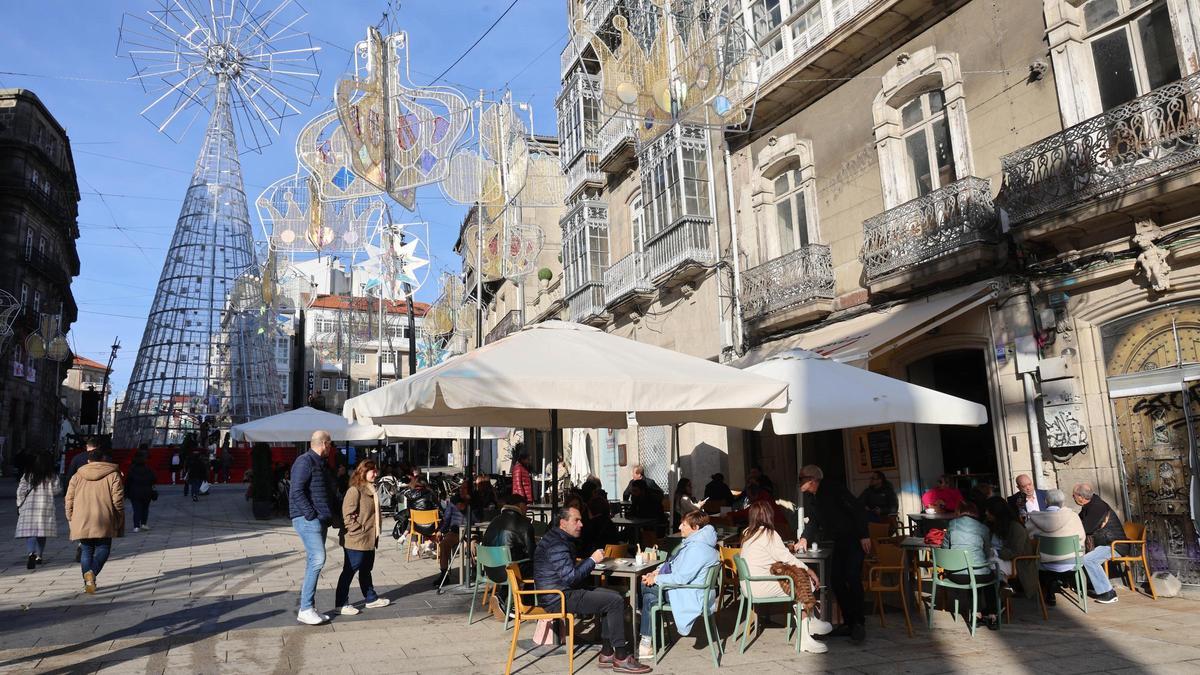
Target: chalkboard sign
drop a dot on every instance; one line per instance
(883, 450)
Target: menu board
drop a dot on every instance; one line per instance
(875, 447)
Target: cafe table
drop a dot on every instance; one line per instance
(821, 558)
(913, 548)
(632, 525)
(626, 568)
(924, 521)
(540, 511)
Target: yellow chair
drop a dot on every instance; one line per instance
(1016, 562)
(879, 533)
(890, 561)
(729, 576)
(534, 613)
(1135, 534)
(415, 538)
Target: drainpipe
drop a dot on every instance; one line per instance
(726, 327)
(1035, 441)
(738, 328)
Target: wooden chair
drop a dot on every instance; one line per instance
(729, 577)
(1016, 562)
(1068, 546)
(946, 560)
(531, 612)
(890, 562)
(712, 579)
(616, 551)
(748, 601)
(1135, 534)
(415, 538)
(879, 532)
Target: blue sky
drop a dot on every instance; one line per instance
(65, 51)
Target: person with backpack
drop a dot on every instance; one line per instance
(35, 506)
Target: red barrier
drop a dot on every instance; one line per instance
(159, 461)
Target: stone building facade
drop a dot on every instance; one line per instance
(38, 229)
(84, 375)
(992, 199)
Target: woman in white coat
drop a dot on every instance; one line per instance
(36, 518)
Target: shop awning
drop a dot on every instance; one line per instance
(856, 340)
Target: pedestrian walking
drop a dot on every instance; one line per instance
(176, 467)
(313, 509)
(78, 461)
(139, 487)
(360, 537)
(226, 464)
(35, 505)
(841, 517)
(95, 505)
(197, 473)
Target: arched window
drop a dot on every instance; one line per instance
(637, 222)
(784, 197)
(927, 145)
(791, 213)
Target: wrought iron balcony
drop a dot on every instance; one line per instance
(782, 283)
(930, 227)
(508, 325)
(617, 143)
(586, 303)
(1134, 142)
(626, 278)
(53, 270)
(684, 245)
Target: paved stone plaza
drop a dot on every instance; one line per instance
(209, 590)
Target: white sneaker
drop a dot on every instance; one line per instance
(807, 642)
(310, 617)
(645, 649)
(819, 627)
(136, 529)
(347, 610)
(146, 527)
(416, 551)
(377, 603)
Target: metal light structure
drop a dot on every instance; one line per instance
(9, 308)
(203, 360)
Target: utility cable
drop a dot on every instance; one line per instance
(477, 41)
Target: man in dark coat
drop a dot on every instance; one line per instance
(313, 508)
(1027, 499)
(1103, 525)
(554, 568)
(513, 529)
(838, 514)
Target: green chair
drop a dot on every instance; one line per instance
(955, 560)
(491, 557)
(1066, 546)
(748, 601)
(711, 579)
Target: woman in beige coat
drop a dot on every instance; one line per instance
(95, 506)
(360, 537)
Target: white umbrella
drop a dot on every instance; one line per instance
(580, 468)
(298, 425)
(582, 376)
(557, 374)
(418, 431)
(826, 395)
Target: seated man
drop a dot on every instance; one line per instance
(512, 528)
(1027, 499)
(1103, 525)
(554, 568)
(1055, 521)
(687, 565)
(452, 520)
(942, 496)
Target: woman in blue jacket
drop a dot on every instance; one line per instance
(687, 565)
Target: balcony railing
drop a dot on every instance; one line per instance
(51, 269)
(586, 303)
(685, 243)
(584, 173)
(801, 276)
(617, 137)
(626, 277)
(929, 227)
(56, 207)
(571, 53)
(508, 325)
(1136, 141)
(801, 33)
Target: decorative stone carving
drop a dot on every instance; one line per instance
(1152, 261)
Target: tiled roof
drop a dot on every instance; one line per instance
(82, 362)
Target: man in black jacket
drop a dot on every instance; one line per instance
(1103, 525)
(840, 517)
(512, 529)
(554, 568)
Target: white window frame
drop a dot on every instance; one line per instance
(783, 154)
(666, 195)
(915, 74)
(360, 358)
(324, 384)
(364, 385)
(926, 127)
(341, 384)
